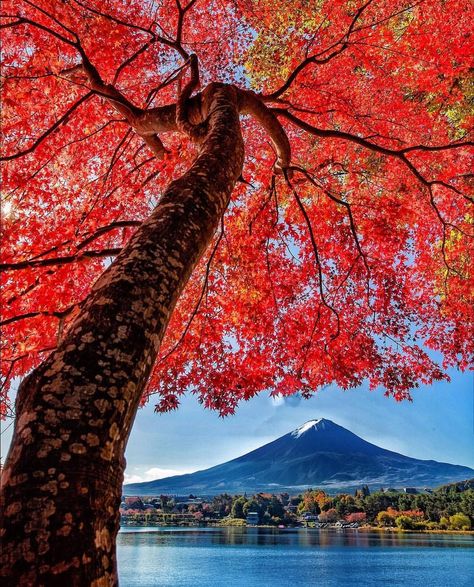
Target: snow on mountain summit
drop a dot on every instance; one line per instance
(319, 453)
(320, 424)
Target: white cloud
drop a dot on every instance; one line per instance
(277, 400)
(291, 401)
(152, 474)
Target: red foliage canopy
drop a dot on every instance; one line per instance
(348, 268)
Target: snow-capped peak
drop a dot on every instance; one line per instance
(307, 426)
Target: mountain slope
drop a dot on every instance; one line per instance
(318, 453)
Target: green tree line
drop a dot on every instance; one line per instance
(448, 507)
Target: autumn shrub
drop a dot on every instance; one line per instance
(459, 522)
(385, 519)
(444, 523)
(405, 523)
(232, 522)
(356, 517)
(329, 516)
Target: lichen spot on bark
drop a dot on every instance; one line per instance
(13, 508)
(114, 431)
(64, 530)
(102, 582)
(101, 405)
(56, 367)
(92, 439)
(137, 306)
(112, 391)
(122, 332)
(50, 487)
(129, 390)
(77, 448)
(120, 405)
(43, 544)
(26, 436)
(50, 417)
(65, 565)
(18, 479)
(103, 540)
(86, 559)
(25, 419)
(87, 338)
(103, 301)
(107, 452)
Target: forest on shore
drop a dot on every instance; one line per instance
(449, 507)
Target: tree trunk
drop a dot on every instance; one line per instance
(63, 477)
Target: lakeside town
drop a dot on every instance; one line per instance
(449, 507)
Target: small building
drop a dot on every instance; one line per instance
(345, 524)
(410, 490)
(252, 519)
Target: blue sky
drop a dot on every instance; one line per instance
(438, 424)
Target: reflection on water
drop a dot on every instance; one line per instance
(297, 537)
(266, 557)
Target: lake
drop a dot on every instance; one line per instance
(266, 557)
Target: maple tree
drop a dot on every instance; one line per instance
(322, 232)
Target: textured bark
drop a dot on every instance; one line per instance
(170, 118)
(63, 476)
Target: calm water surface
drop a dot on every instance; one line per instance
(264, 557)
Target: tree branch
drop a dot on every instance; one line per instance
(30, 264)
(108, 91)
(52, 313)
(250, 103)
(183, 122)
(179, 28)
(53, 18)
(114, 19)
(104, 229)
(341, 202)
(50, 130)
(23, 20)
(318, 57)
(154, 38)
(398, 153)
(316, 256)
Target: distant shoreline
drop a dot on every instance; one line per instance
(449, 508)
(386, 529)
(403, 531)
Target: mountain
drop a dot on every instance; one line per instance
(320, 454)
